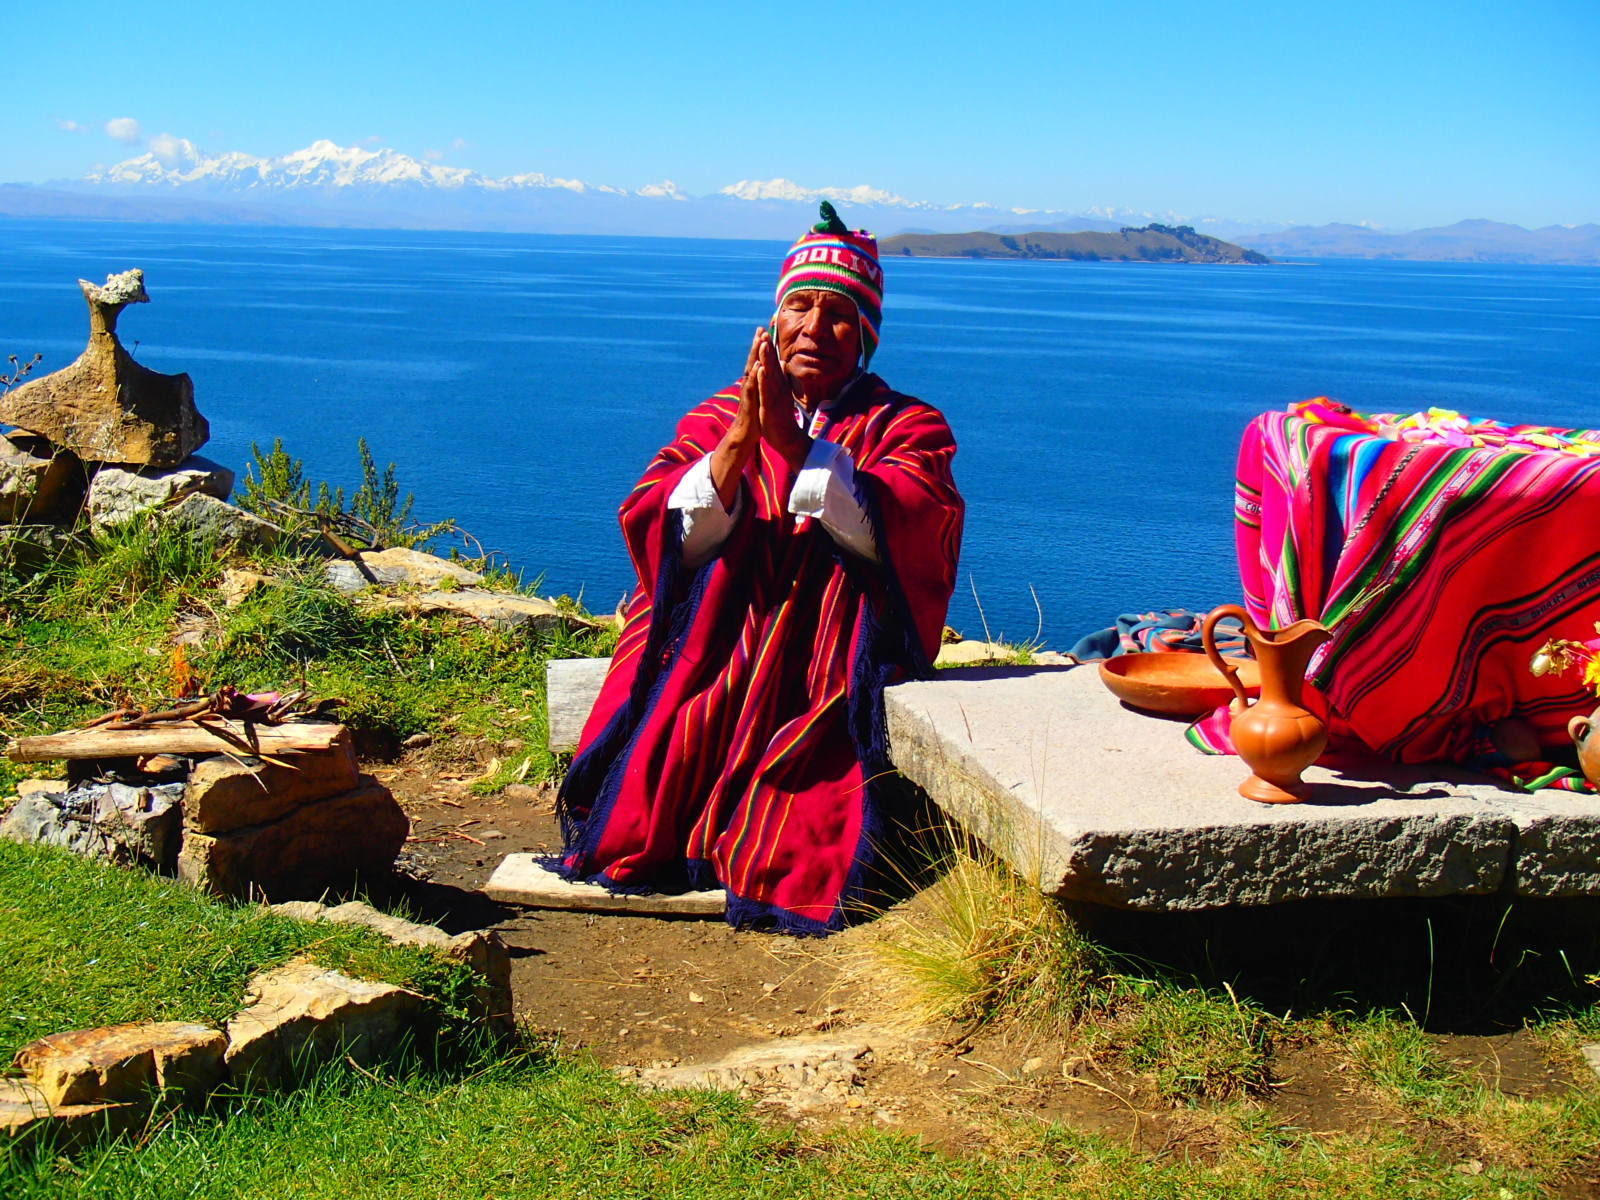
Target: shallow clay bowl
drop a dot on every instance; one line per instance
(1174, 682)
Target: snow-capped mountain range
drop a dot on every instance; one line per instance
(329, 183)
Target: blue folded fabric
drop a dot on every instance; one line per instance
(1162, 629)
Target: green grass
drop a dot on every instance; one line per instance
(535, 1128)
(89, 625)
(83, 943)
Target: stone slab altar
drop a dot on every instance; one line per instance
(1098, 802)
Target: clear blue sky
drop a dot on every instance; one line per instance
(1403, 114)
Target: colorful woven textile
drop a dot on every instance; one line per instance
(738, 738)
(1440, 567)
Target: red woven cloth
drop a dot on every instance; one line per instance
(738, 739)
(1440, 569)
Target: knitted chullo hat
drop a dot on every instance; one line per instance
(833, 259)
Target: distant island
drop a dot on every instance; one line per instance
(1148, 243)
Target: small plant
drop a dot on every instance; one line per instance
(376, 514)
(19, 371)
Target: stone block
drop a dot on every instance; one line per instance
(1093, 801)
(37, 481)
(520, 879)
(301, 1014)
(225, 793)
(316, 847)
(398, 567)
(119, 1063)
(571, 686)
(118, 494)
(25, 1116)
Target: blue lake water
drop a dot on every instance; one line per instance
(520, 383)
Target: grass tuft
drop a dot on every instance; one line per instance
(981, 946)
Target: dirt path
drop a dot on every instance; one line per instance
(662, 999)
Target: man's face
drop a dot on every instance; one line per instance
(819, 341)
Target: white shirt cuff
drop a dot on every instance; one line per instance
(705, 523)
(825, 488)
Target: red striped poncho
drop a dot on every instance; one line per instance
(738, 739)
(1440, 570)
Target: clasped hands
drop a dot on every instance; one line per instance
(766, 414)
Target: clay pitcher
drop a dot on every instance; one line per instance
(1580, 730)
(1277, 736)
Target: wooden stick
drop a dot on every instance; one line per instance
(179, 737)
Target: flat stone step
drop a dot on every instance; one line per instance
(1095, 801)
(521, 879)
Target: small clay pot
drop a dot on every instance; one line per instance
(1579, 729)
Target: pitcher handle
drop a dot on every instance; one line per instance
(1578, 729)
(1208, 638)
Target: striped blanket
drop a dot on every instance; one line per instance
(1440, 567)
(738, 740)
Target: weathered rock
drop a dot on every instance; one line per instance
(225, 792)
(397, 567)
(1557, 833)
(1051, 658)
(124, 1062)
(521, 879)
(827, 1067)
(571, 687)
(484, 951)
(318, 846)
(207, 517)
(129, 825)
(105, 407)
(966, 654)
(25, 1115)
(302, 1013)
(239, 584)
(503, 610)
(1092, 801)
(37, 481)
(118, 494)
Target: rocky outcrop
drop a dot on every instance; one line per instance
(118, 494)
(397, 567)
(220, 522)
(105, 407)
